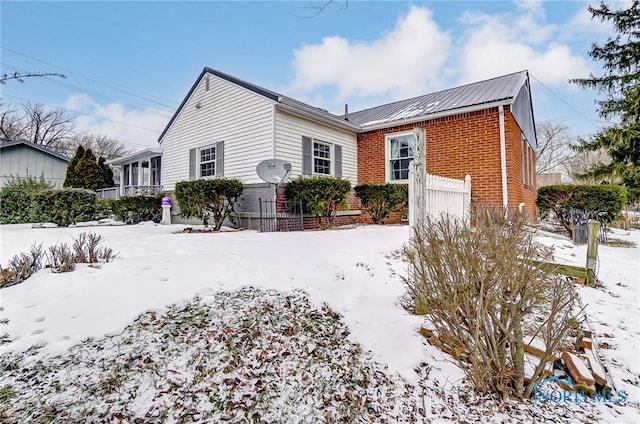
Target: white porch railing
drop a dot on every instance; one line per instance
(115, 192)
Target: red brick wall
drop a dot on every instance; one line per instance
(466, 143)
(519, 191)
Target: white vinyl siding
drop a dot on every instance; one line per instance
(289, 132)
(225, 112)
(23, 161)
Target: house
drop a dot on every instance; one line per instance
(225, 126)
(23, 158)
(485, 129)
(553, 178)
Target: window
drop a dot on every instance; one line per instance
(522, 158)
(321, 158)
(155, 170)
(208, 162)
(145, 172)
(127, 175)
(400, 156)
(134, 174)
(532, 168)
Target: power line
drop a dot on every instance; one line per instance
(129, 91)
(85, 91)
(94, 116)
(582, 115)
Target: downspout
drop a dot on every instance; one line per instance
(503, 159)
(273, 132)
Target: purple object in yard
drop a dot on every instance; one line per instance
(166, 201)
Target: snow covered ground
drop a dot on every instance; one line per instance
(355, 271)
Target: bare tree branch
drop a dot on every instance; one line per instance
(554, 151)
(319, 7)
(20, 76)
(47, 126)
(100, 145)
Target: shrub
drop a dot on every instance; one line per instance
(485, 295)
(60, 258)
(320, 196)
(64, 207)
(134, 209)
(84, 170)
(602, 202)
(203, 198)
(16, 197)
(380, 199)
(22, 266)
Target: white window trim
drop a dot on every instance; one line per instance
(331, 158)
(387, 155)
(199, 162)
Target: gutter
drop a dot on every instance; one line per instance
(435, 115)
(503, 158)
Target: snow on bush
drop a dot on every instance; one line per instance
(244, 356)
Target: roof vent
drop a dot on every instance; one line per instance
(346, 111)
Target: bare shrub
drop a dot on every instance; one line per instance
(485, 297)
(4, 337)
(61, 258)
(86, 248)
(106, 254)
(22, 266)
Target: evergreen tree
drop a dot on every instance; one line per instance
(71, 178)
(89, 171)
(107, 173)
(620, 83)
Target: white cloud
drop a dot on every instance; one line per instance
(418, 56)
(503, 43)
(402, 62)
(136, 128)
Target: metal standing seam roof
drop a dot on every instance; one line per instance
(497, 89)
(503, 88)
(33, 145)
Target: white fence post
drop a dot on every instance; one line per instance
(467, 199)
(417, 180)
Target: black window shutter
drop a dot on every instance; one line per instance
(307, 168)
(192, 164)
(220, 159)
(337, 163)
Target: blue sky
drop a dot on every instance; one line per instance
(129, 64)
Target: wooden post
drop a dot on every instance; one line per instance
(592, 252)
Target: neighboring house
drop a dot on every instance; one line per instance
(23, 158)
(485, 129)
(225, 126)
(140, 173)
(553, 178)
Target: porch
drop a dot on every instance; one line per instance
(140, 174)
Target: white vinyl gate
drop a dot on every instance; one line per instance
(432, 194)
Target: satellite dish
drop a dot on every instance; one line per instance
(273, 171)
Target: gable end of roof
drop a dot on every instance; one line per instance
(206, 70)
(35, 146)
